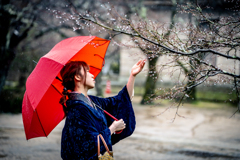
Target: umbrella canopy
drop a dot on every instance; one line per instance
(41, 110)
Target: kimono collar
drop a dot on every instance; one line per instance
(81, 97)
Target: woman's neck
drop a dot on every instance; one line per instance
(81, 90)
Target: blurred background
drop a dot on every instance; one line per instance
(30, 28)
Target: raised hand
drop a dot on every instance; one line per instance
(137, 68)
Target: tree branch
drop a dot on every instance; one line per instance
(158, 44)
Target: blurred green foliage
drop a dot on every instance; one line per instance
(216, 95)
(11, 100)
(115, 67)
(12, 94)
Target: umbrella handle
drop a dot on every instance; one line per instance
(117, 132)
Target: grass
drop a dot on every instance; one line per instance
(204, 97)
(11, 98)
(204, 104)
(213, 96)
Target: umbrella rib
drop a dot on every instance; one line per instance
(40, 122)
(102, 58)
(101, 40)
(58, 79)
(94, 67)
(56, 89)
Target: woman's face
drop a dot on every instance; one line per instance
(90, 82)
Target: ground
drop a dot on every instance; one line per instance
(205, 132)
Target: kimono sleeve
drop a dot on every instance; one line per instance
(79, 138)
(120, 106)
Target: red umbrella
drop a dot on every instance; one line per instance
(41, 110)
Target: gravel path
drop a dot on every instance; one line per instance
(204, 133)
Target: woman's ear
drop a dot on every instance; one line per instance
(78, 77)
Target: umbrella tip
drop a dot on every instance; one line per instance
(34, 61)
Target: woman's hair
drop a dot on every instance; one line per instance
(68, 73)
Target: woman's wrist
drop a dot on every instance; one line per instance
(132, 75)
(112, 129)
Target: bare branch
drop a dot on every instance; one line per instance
(160, 45)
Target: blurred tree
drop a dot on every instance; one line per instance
(19, 17)
(185, 47)
(16, 21)
(153, 56)
(73, 28)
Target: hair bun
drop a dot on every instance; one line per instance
(65, 91)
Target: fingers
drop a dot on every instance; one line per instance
(120, 125)
(122, 122)
(137, 68)
(143, 63)
(139, 62)
(119, 128)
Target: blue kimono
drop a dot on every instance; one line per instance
(84, 122)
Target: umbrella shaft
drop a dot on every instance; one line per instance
(110, 115)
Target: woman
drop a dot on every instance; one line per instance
(84, 121)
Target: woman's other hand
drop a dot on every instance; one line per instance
(137, 68)
(117, 126)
